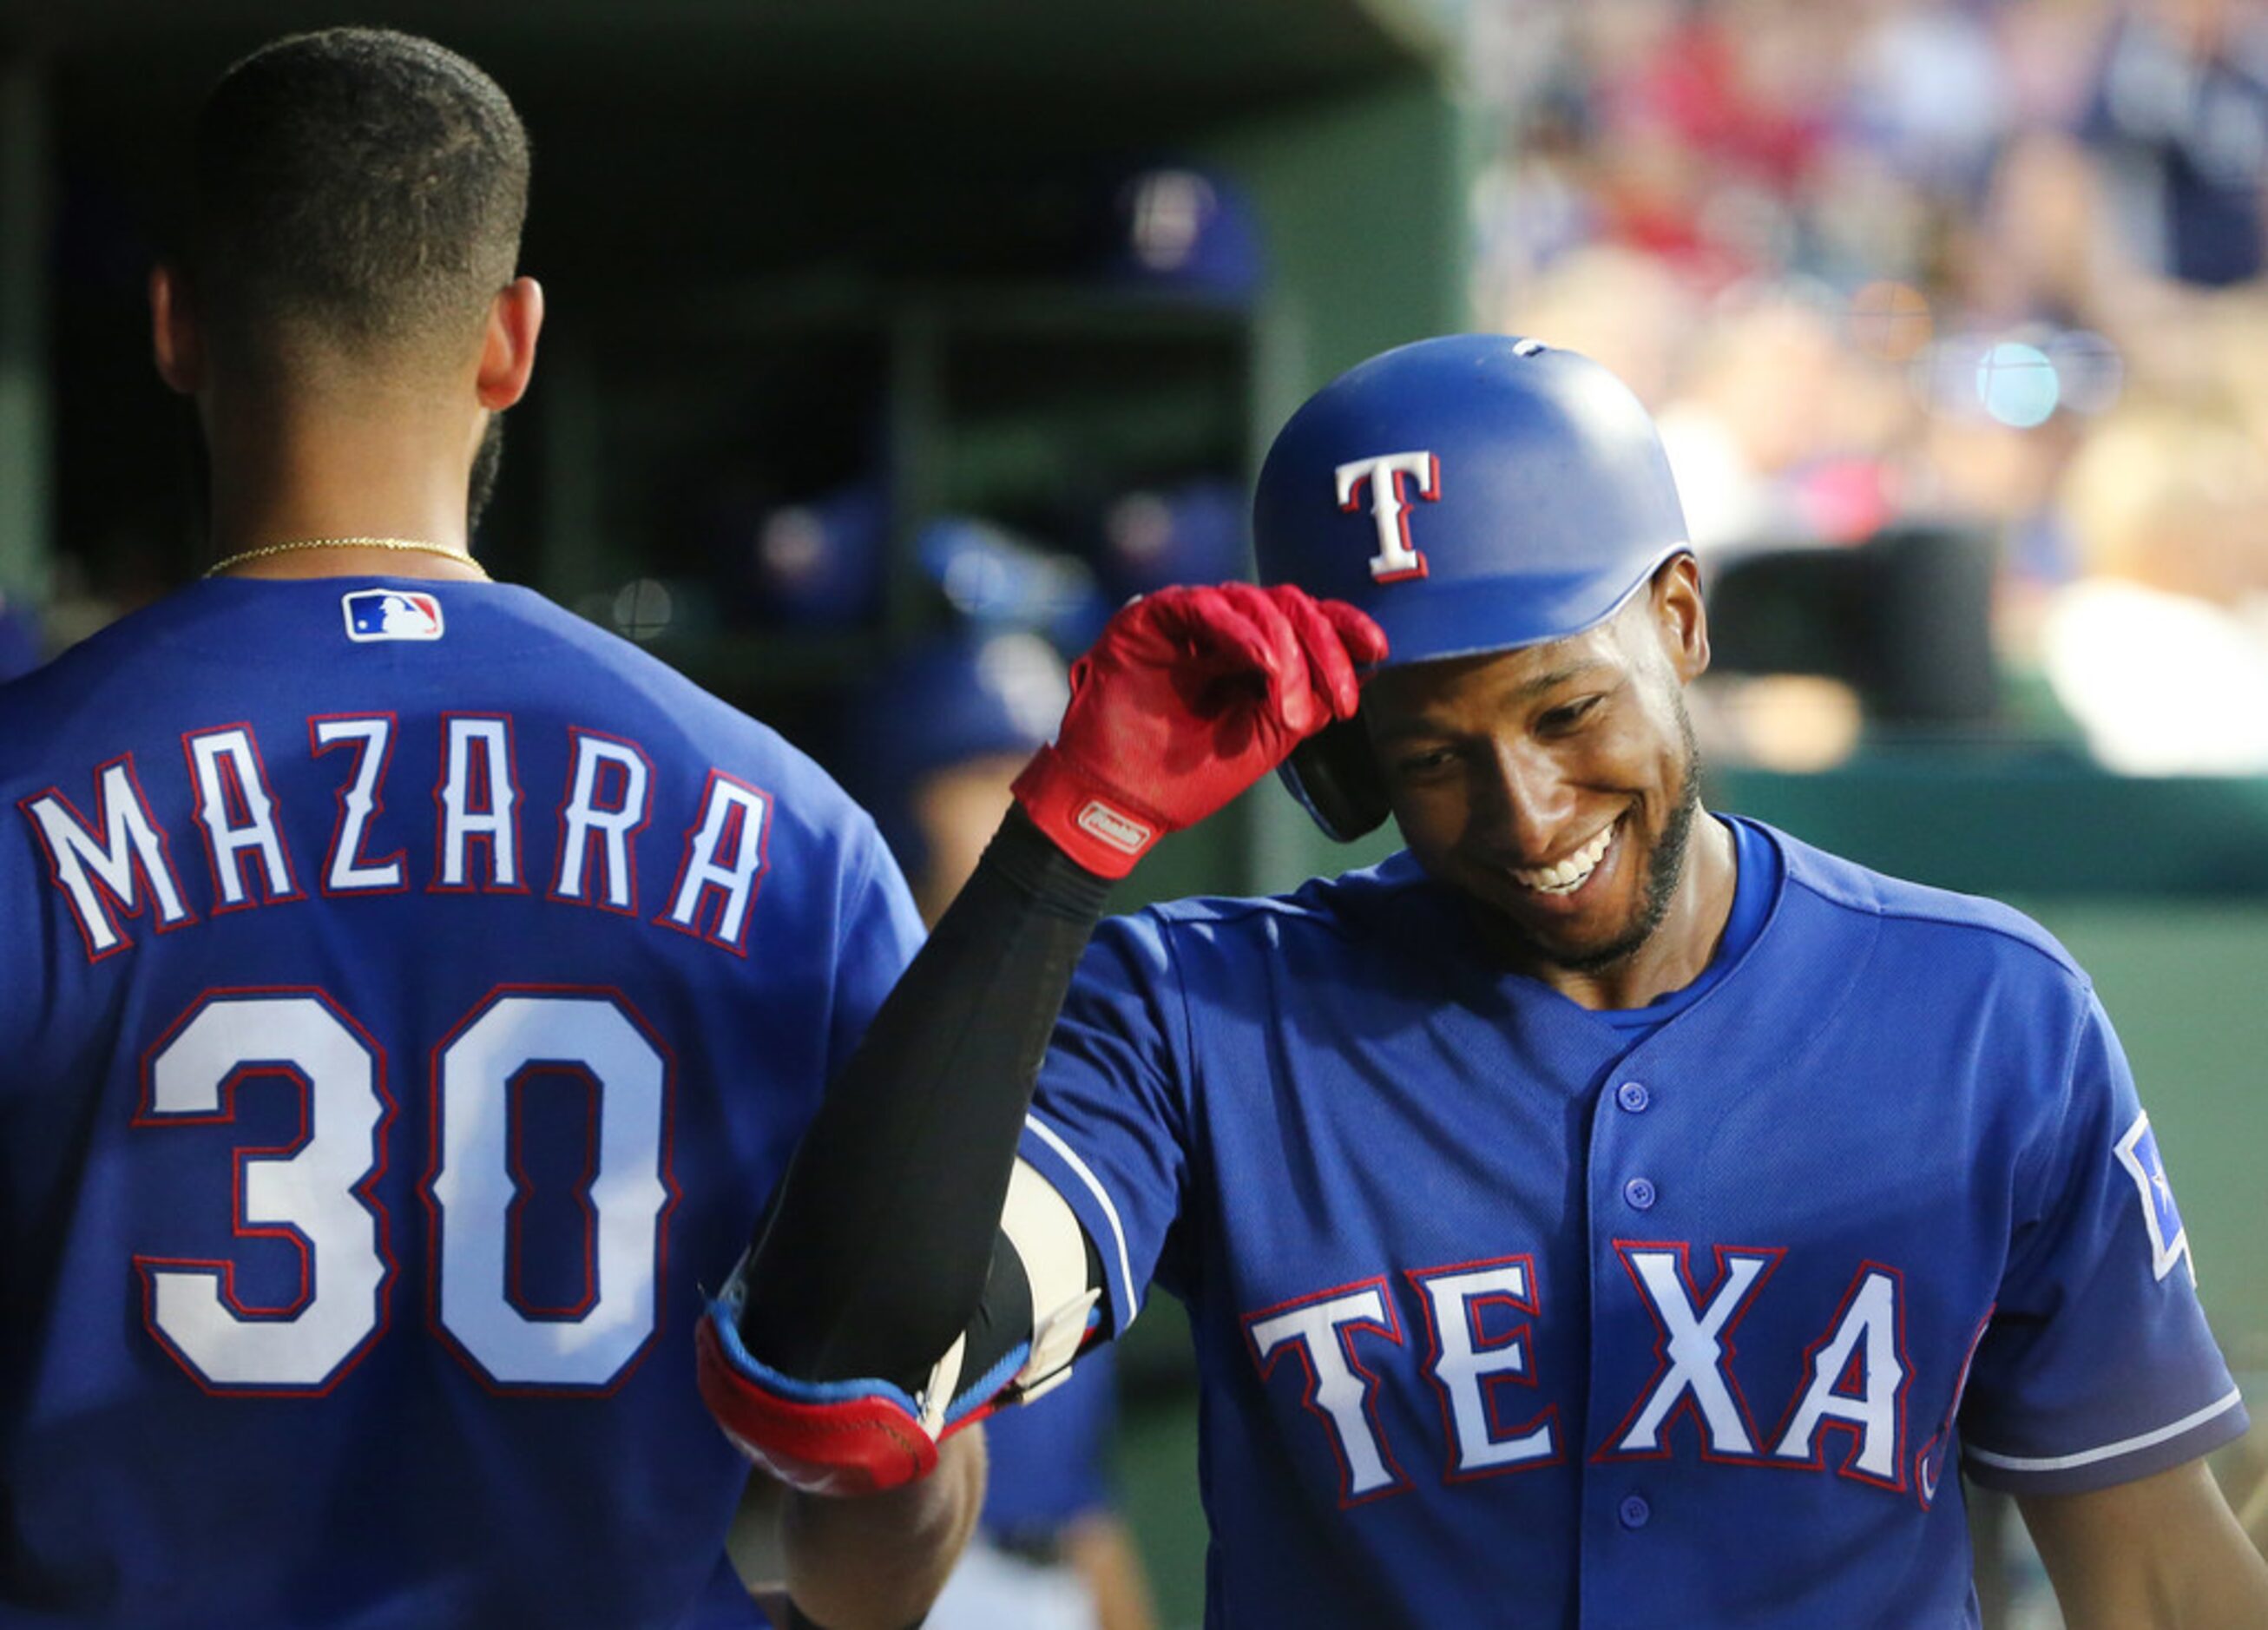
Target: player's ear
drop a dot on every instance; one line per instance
(175, 339)
(1681, 621)
(508, 345)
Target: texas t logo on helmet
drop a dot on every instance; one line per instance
(1558, 507)
(1390, 506)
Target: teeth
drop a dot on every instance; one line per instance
(1570, 873)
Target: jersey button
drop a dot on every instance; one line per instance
(1634, 1096)
(1639, 1193)
(1634, 1512)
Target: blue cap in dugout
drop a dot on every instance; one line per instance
(963, 696)
(1473, 493)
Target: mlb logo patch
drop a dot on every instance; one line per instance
(391, 614)
(2170, 1241)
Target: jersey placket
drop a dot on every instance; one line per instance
(1630, 1104)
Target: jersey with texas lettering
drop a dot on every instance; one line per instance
(1513, 1313)
(408, 995)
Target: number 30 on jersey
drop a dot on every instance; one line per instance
(318, 1192)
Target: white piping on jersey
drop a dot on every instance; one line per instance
(1079, 1170)
(2107, 1451)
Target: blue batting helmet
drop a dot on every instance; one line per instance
(960, 696)
(1473, 493)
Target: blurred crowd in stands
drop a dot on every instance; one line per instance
(1995, 266)
(1982, 276)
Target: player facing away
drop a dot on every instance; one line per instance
(407, 994)
(1603, 1211)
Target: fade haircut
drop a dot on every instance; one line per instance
(357, 192)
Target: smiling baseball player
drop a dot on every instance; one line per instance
(1605, 1208)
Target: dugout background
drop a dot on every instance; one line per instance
(791, 238)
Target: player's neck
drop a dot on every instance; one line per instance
(334, 476)
(1681, 947)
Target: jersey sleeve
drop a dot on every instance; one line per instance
(1108, 1126)
(878, 930)
(2097, 1367)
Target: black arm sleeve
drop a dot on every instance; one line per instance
(877, 1252)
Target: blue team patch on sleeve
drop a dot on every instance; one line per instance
(374, 614)
(2170, 1241)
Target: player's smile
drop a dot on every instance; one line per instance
(1554, 786)
(1591, 900)
(1569, 876)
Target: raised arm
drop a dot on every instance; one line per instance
(883, 1304)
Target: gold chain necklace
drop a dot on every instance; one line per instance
(401, 545)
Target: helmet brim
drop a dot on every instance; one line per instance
(1507, 614)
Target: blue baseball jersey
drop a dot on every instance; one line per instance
(1508, 1312)
(408, 996)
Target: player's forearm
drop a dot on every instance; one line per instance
(878, 1252)
(877, 1562)
(2163, 1553)
(2219, 1579)
(860, 1330)
(2230, 1590)
(2235, 1592)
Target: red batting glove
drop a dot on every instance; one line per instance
(1190, 694)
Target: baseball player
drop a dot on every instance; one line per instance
(407, 993)
(1605, 1211)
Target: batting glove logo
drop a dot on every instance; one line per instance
(1106, 825)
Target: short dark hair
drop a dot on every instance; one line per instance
(356, 189)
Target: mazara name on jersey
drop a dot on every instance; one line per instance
(113, 859)
(1344, 1344)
